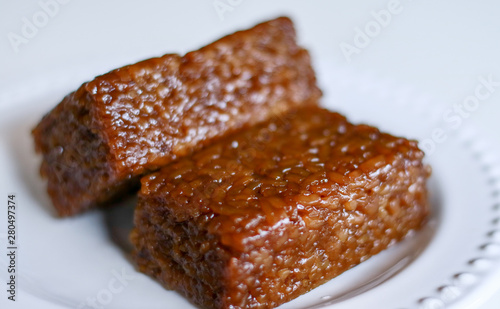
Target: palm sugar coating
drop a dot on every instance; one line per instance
(272, 212)
(101, 138)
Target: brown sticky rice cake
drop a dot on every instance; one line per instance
(101, 138)
(269, 213)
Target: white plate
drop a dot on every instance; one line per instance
(73, 262)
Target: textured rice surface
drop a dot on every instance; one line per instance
(102, 137)
(269, 213)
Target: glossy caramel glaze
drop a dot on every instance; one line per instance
(133, 120)
(267, 214)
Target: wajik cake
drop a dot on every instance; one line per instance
(267, 214)
(99, 141)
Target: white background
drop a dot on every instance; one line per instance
(438, 48)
